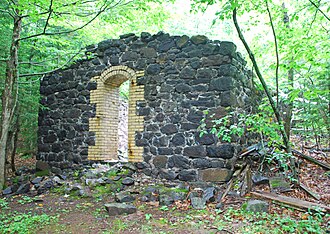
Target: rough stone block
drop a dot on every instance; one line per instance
(199, 39)
(215, 174)
(119, 209)
(257, 206)
(182, 41)
(42, 166)
(225, 151)
(222, 84)
(169, 129)
(187, 175)
(160, 161)
(194, 151)
(179, 162)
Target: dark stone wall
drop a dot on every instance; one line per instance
(183, 77)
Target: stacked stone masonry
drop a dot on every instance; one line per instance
(173, 79)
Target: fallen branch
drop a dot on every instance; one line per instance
(33, 152)
(325, 150)
(310, 159)
(246, 186)
(250, 149)
(288, 206)
(292, 201)
(311, 193)
(230, 184)
(234, 177)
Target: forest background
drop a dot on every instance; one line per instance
(289, 41)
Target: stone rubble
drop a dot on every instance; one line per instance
(128, 184)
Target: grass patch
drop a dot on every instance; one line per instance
(117, 227)
(270, 223)
(23, 223)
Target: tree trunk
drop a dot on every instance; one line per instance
(12, 142)
(286, 140)
(288, 109)
(262, 81)
(9, 94)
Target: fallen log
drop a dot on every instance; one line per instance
(294, 202)
(325, 149)
(310, 159)
(310, 192)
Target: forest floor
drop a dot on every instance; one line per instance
(55, 212)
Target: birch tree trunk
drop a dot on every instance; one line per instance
(9, 94)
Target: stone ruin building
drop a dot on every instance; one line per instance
(172, 80)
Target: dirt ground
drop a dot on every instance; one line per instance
(88, 215)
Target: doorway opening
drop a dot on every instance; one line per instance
(109, 123)
(123, 121)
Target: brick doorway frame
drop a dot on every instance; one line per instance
(105, 123)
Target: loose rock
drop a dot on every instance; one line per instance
(124, 197)
(198, 203)
(119, 209)
(259, 179)
(257, 206)
(127, 181)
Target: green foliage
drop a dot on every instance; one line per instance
(164, 208)
(226, 127)
(271, 223)
(3, 203)
(303, 49)
(148, 216)
(238, 123)
(117, 226)
(23, 223)
(25, 200)
(124, 90)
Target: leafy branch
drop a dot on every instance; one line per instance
(59, 68)
(102, 9)
(318, 8)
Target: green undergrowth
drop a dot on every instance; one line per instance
(164, 219)
(18, 222)
(272, 223)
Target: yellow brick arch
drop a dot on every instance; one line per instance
(105, 122)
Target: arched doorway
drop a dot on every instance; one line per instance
(106, 122)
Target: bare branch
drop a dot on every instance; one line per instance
(74, 3)
(31, 81)
(50, 13)
(276, 52)
(41, 13)
(47, 72)
(319, 10)
(7, 12)
(102, 9)
(36, 63)
(314, 18)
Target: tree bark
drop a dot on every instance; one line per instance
(288, 109)
(9, 94)
(12, 141)
(286, 140)
(263, 82)
(276, 53)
